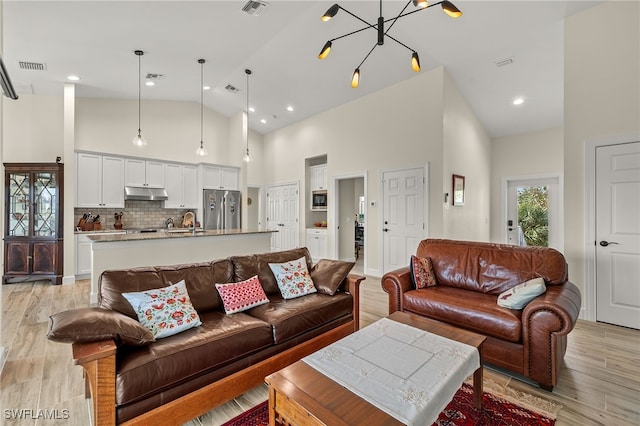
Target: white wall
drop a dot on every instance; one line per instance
(466, 152)
(521, 155)
(602, 99)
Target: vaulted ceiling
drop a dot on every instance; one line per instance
(95, 40)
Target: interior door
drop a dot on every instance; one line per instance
(403, 216)
(283, 206)
(618, 234)
(533, 212)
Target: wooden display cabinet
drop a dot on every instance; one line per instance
(33, 235)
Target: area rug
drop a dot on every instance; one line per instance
(496, 411)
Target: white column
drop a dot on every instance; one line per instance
(69, 160)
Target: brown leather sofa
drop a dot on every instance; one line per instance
(470, 275)
(177, 378)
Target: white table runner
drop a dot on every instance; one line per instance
(408, 373)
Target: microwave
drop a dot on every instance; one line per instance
(319, 200)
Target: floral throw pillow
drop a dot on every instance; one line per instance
(164, 311)
(293, 278)
(238, 297)
(422, 272)
(519, 296)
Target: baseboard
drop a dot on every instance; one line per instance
(373, 273)
(69, 280)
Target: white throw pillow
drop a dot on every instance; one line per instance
(164, 311)
(517, 297)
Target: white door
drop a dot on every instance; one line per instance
(533, 212)
(403, 216)
(618, 234)
(283, 203)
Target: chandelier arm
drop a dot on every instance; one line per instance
(374, 27)
(414, 11)
(400, 43)
(365, 58)
(397, 17)
(357, 17)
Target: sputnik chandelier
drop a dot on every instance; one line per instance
(447, 8)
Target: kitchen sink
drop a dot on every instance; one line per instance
(182, 230)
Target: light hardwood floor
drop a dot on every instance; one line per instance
(599, 384)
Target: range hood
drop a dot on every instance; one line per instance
(145, 194)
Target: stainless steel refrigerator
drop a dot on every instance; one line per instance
(222, 209)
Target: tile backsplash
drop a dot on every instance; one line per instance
(136, 214)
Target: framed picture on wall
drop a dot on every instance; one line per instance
(458, 190)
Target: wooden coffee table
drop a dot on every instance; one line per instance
(301, 395)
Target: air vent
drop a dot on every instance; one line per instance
(33, 66)
(231, 88)
(254, 8)
(504, 62)
(152, 76)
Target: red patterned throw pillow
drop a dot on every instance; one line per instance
(238, 297)
(422, 272)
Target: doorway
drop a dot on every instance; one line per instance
(533, 212)
(617, 248)
(404, 219)
(350, 214)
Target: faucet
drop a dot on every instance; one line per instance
(169, 223)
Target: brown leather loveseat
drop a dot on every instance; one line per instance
(469, 277)
(174, 379)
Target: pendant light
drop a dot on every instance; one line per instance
(139, 140)
(247, 157)
(201, 151)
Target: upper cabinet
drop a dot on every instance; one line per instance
(318, 177)
(144, 173)
(99, 181)
(181, 186)
(217, 177)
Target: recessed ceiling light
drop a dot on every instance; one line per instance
(73, 78)
(518, 101)
(149, 83)
(290, 108)
(252, 109)
(206, 87)
(263, 121)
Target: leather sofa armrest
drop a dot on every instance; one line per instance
(351, 285)
(395, 283)
(560, 301)
(546, 321)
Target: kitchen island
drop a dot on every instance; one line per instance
(170, 247)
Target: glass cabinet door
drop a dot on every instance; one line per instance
(45, 192)
(19, 200)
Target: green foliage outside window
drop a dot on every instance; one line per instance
(533, 215)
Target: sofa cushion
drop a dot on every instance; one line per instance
(491, 268)
(199, 278)
(467, 309)
(94, 324)
(293, 278)
(258, 264)
(328, 274)
(220, 340)
(238, 297)
(290, 318)
(164, 311)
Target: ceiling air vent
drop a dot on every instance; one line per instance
(231, 88)
(33, 66)
(504, 62)
(254, 8)
(153, 76)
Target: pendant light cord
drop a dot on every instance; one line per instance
(248, 72)
(201, 99)
(139, 90)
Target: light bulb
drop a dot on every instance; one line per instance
(202, 151)
(247, 157)
(139, 141)
(355, 79)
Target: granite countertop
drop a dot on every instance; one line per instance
(101, 231)
(174, 233)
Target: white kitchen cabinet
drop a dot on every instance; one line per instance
(318, 177)
(146, 173)
(317, 243)
(99, 181)
(181, 185)
(218, 177)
